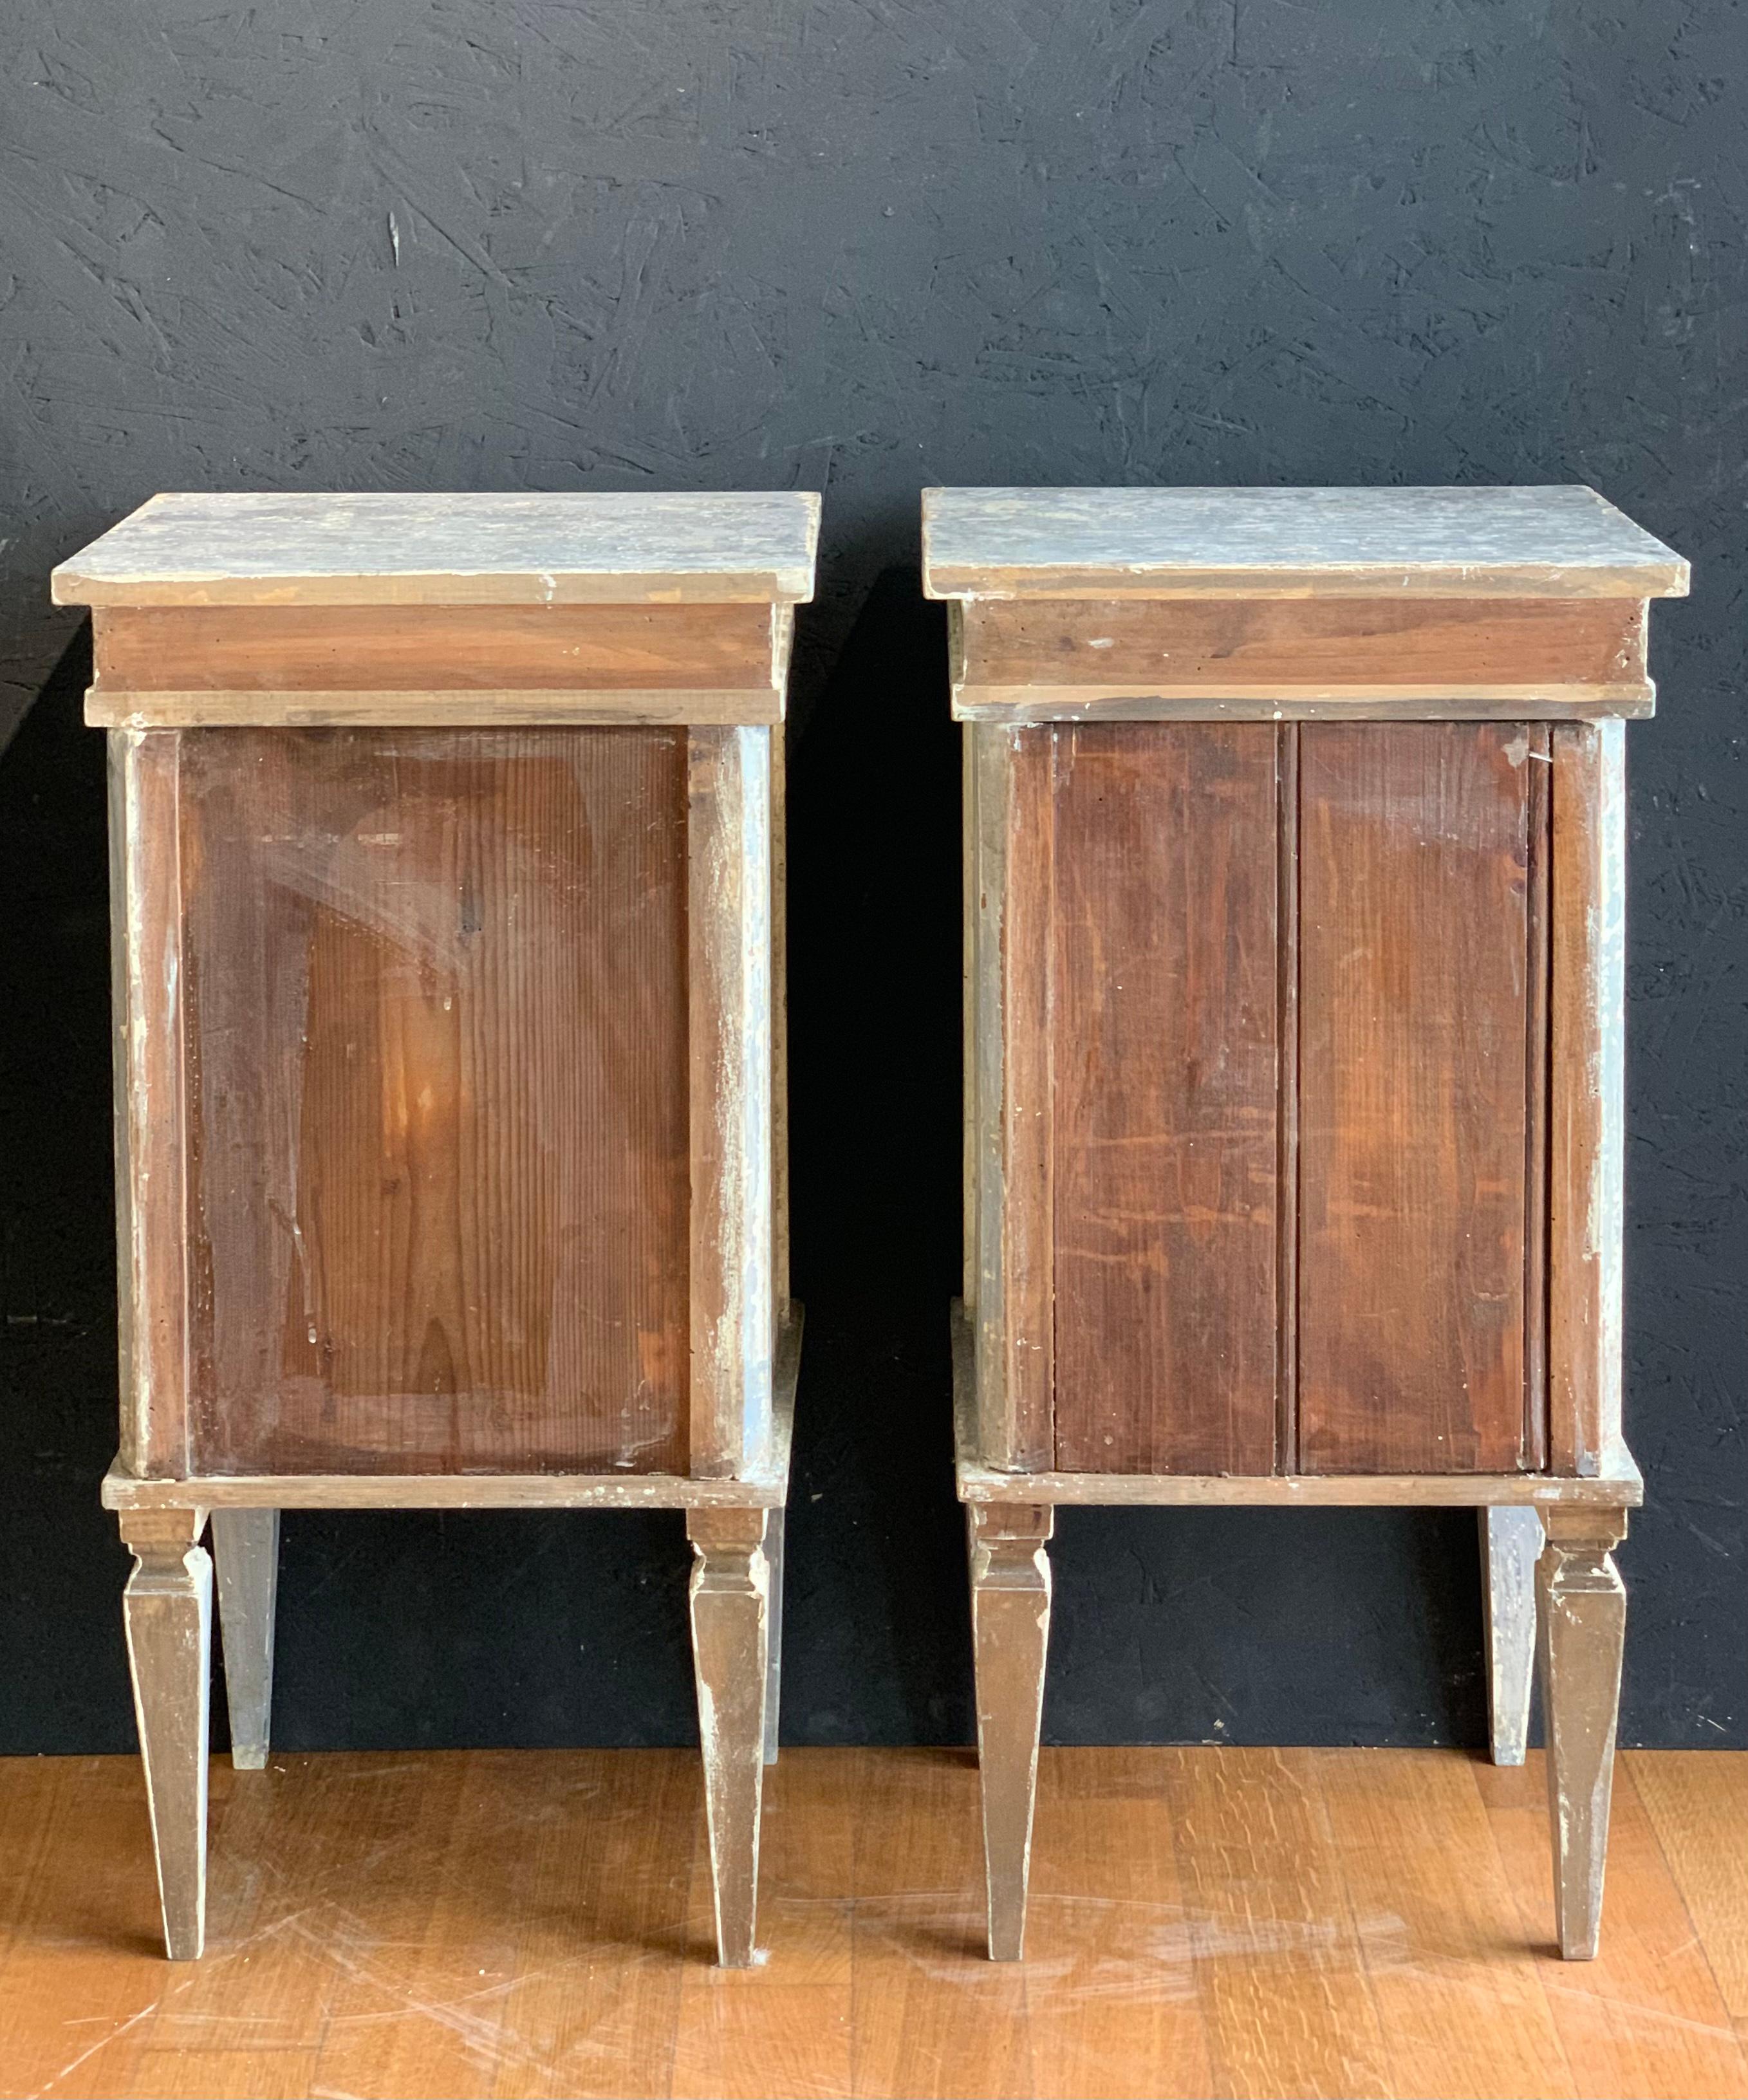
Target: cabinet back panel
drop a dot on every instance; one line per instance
(435, 1005)
(1166, 1097)
(1415, 1083)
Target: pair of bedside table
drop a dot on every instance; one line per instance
(448, 870)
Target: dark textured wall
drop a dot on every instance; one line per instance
(451, 244)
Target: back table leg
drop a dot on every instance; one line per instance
(245, 1548)
(1582, 1619)
(1010, 1628)
(1510, 1542)
(168, 1610)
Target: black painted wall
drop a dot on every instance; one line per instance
(452, 244)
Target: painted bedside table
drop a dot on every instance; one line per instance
(1294, 825)
(447, 860)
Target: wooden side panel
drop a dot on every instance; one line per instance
(147, 987)
(1586, 1108)
(422, 648)
(1271, 646)
(1415, 1025)
(1167, 1109)
(729, 885)
(437, 1100)
(1011, 1283)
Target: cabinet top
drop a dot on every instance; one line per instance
(587, 548)
(1015, 543)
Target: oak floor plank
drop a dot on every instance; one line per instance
(84, 1974)
(1698, 1801)
(239, 2074)
(1289, 2007)
(1647, 2016)
(1458, 1991)
(784, 2025)
(1110, 1976)
(605, 1852)
(425, 1949)
(934, 2017)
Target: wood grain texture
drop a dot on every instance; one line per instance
(148, 992)
(1106, 543)
(576, 547)
(1414, 1028)
(1565, 652)
(412, 648)
(729, 1005)
(1163, 1024)
(437, 1193)
(761, 1486)
(1648, 2015)
(1586, 1095)
(979, 1482)
(1203, 1921)
(1013, 1290)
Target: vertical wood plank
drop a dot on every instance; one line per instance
(1287, 1112)
(1586, 1109)
(1414, 848)
(147, 981)
(1013, 1297)
(436, 1000)
(729, 905)
(1538, 887)
(1167, 1103)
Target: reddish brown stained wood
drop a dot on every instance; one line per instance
(1536, 1097)
(1585, 1110)
(1166, 1119)
(147, 978)
(1014, 1284)
(1414, 1015)
(418, 648)
(437, 1100)
(1378, 644)
(1287, 1180)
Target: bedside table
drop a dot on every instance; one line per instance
(1295, 838)
(447, 866)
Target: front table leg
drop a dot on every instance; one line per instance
(1010, 1630)
(1582, 1614)
(168, 1609)
(245, 1546)
(730, 1595)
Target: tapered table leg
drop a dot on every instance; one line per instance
(168, 1610)
(1010, 1626)
(1583, 1615)
(773, 1536)
(1511, 1543)
(245, 1549)
(730, 1597)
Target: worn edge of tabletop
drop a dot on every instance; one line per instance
(138, 562)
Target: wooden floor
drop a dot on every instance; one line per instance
(1203, 1921)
